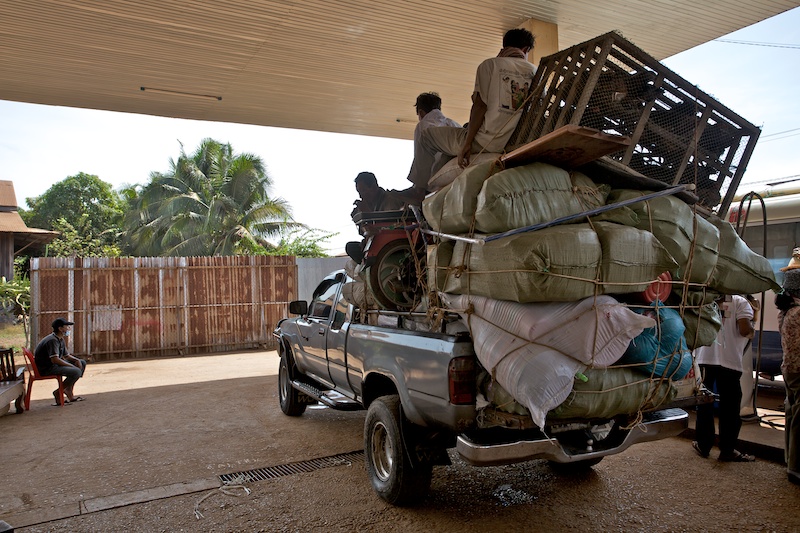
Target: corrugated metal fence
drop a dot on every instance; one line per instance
(162, 306)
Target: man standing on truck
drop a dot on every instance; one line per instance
(494, 115)
(721, 366)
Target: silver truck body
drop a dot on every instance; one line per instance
(349, 365)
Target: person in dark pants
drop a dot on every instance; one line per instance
(721, 366)
(788, 304)
(52, 358)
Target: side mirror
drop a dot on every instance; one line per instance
(298, 307)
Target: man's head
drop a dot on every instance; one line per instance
(427, 102)
(367, 186)
(519, 38)
(59, 323)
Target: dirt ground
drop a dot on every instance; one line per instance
(142, 432)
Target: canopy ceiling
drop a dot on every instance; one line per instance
(340, 66)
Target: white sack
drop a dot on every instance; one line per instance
(595, 331)
(539, 378)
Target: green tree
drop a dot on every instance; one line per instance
(79, 241)
(212, 202)
(71, 199)
(301, 242)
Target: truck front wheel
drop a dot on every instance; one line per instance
(389, 467)
(288, 396)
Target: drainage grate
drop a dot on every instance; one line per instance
(261, 474)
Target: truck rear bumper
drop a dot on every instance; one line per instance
(654, 426)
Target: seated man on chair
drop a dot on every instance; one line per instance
(52, 358)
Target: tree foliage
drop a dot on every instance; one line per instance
(301, 242)
(212, 202)
(83, 200)
(79, 241)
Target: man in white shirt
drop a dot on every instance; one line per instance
(501, 84)
(721, 366)
(429, 112)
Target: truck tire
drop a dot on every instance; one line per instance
(393, 277)
(288, 395)
(389, 467)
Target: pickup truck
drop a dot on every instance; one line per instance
(419, 389)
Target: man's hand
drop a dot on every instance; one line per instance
(477, 114)
(463, 155)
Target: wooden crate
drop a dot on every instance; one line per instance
(679, 133)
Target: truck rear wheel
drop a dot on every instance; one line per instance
(389, 466)
(288, 395)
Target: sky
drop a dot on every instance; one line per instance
(314, 171)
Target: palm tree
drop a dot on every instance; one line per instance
(213, 202)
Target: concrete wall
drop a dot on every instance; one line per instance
(311, 270)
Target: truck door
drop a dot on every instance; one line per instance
(313, 329)
(337, 335)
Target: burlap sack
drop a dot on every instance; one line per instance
(673, 223)
(739, 270)
(532, 194)
(632, 258)
(556, 264)
(450, 171)
(451, 209)
(610, 392)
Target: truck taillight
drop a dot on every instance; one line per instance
(461, 375)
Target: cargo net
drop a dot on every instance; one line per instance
(591, 319)
(680, 134)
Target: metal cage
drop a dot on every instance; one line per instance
(680, 134)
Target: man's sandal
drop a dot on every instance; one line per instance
(700, 452)
(736, 457)
(55, 397)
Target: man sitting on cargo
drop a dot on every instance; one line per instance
(493, 117)
(372, 198)
(429, 112)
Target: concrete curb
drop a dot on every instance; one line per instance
(104, 503)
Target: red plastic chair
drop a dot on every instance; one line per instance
(33, 375)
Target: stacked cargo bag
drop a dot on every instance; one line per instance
(632, 258)
(451, 170)
(690, 240)
(605, 326)
(739, 270)
(660, 351)
(557, 264)
(701, 317)
(533, 194)
(561, 264)
(437, 263)
(608, 392)
(452, 209)
(502, 200)
(534, 351)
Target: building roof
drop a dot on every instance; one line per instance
(348, 67)
(25, 238)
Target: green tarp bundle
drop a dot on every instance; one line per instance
(692, 242)
(499, 201)
(739, 270)
(559, 264)
(532, 194)
(609, 392)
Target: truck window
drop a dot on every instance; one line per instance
(340, 315)
(322, 301)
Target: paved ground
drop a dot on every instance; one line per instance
(144, 450)
(149, 425)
